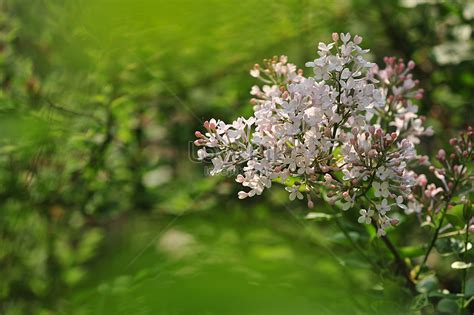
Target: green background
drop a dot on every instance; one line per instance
(103, 208)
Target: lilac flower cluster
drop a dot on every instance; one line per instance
(345, 133)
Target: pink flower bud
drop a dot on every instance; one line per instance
(441, 155)
(422, 180)
(198, 134)
(394, 221)
(372, 153)
(310, 203)
(335, 36)
(419, 94)
(423, 159)
(471, 228)
(453, 141)
(206, 124)
(411, 64)
(371, 130)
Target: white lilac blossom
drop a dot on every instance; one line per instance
(347, 132)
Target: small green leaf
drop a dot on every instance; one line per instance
(341, 238)
(461, 265)
(412, 251)
(447, 306)
(318, 216)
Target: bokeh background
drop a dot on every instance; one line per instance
(102, 208)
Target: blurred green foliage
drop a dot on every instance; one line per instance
(98, 102)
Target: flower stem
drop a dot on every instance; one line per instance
(433, 240)
(402, 266)
(464, 271)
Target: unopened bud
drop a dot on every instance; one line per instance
(453, 141)
(335, 36)
(441, 155)
(411, 64)
(372, 153)
(198, 134)
(423, 159)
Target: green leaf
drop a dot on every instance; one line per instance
(341, 238)
(455, 220)
(319, 216)
(412, 251)
(461, 265)
(419, 302)
(448, 306)
(469, 287)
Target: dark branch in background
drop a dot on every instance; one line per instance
(136, 161)
(72, 112)
(97, 157)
